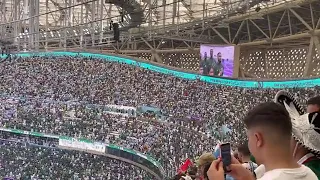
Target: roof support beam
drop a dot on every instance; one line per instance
(309, 57)
(301, 19)
(219, 34)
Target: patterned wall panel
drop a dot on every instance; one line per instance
(253, 63)
(188, 61)
(315, 64)
(271, 64)
(279, 63)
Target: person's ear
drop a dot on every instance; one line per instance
(314, 118)
(259, 139)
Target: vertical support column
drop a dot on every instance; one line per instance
(178, 16)
(150, 18)
(47, 25)
(36, 24)
(317, 44)
(70, 29)
(155, 57)
(204, 6)
(164, 14)
(65, 24)
(101, 22)
(86, 25)
(2, 17)
(236, 61)
(71, 20)
(93, 18)
(81, 26)
(174, 11)
(311, 51)
(25, 25)
(15, 24)
(18, 26)
(30, 25)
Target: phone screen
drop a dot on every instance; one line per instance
(225, 153)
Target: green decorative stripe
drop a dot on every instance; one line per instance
(213, 80)
(83, 140)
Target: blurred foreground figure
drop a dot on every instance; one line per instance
(305, 141)
(271, 149)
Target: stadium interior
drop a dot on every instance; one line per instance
(121, 89)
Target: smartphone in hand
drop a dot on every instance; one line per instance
(225, 154)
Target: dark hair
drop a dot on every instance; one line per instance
(314, 101)
(270, 115)
(192, 170)
(177, 177)
(205, 170)
(244, 149)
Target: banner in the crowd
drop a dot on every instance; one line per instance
(150, 109)
(184, 167)
(82, 144)
(127, 111)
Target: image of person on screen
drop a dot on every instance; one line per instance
(218, 66)
(211, 55)
(205, 65)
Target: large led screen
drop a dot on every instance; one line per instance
(216, 60)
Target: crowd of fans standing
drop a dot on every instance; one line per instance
(64, 96)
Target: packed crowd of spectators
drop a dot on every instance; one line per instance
(26, 158)
(64, 96)
(166, 142)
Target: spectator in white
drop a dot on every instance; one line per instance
(305, 142)
(244, 156)
(271, 149)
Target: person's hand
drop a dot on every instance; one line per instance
(216, 171)
(239, 172)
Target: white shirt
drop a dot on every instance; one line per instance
(262, 169)
(251, 166)
(301, 173)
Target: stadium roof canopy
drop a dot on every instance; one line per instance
(155, 12)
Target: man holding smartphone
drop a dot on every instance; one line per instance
(244, 156)
(271, 149)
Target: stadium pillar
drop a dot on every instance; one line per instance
(101, 22)
(16, 15)
(36, 24)
(47, 25)
(316, 43)
(310, 54)
(93, 24)
(156, 57)
(236, 64)
(81, 26)
(31, 28)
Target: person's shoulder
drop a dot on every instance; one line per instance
(290, 174)
(313, 170)
(314, 166)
